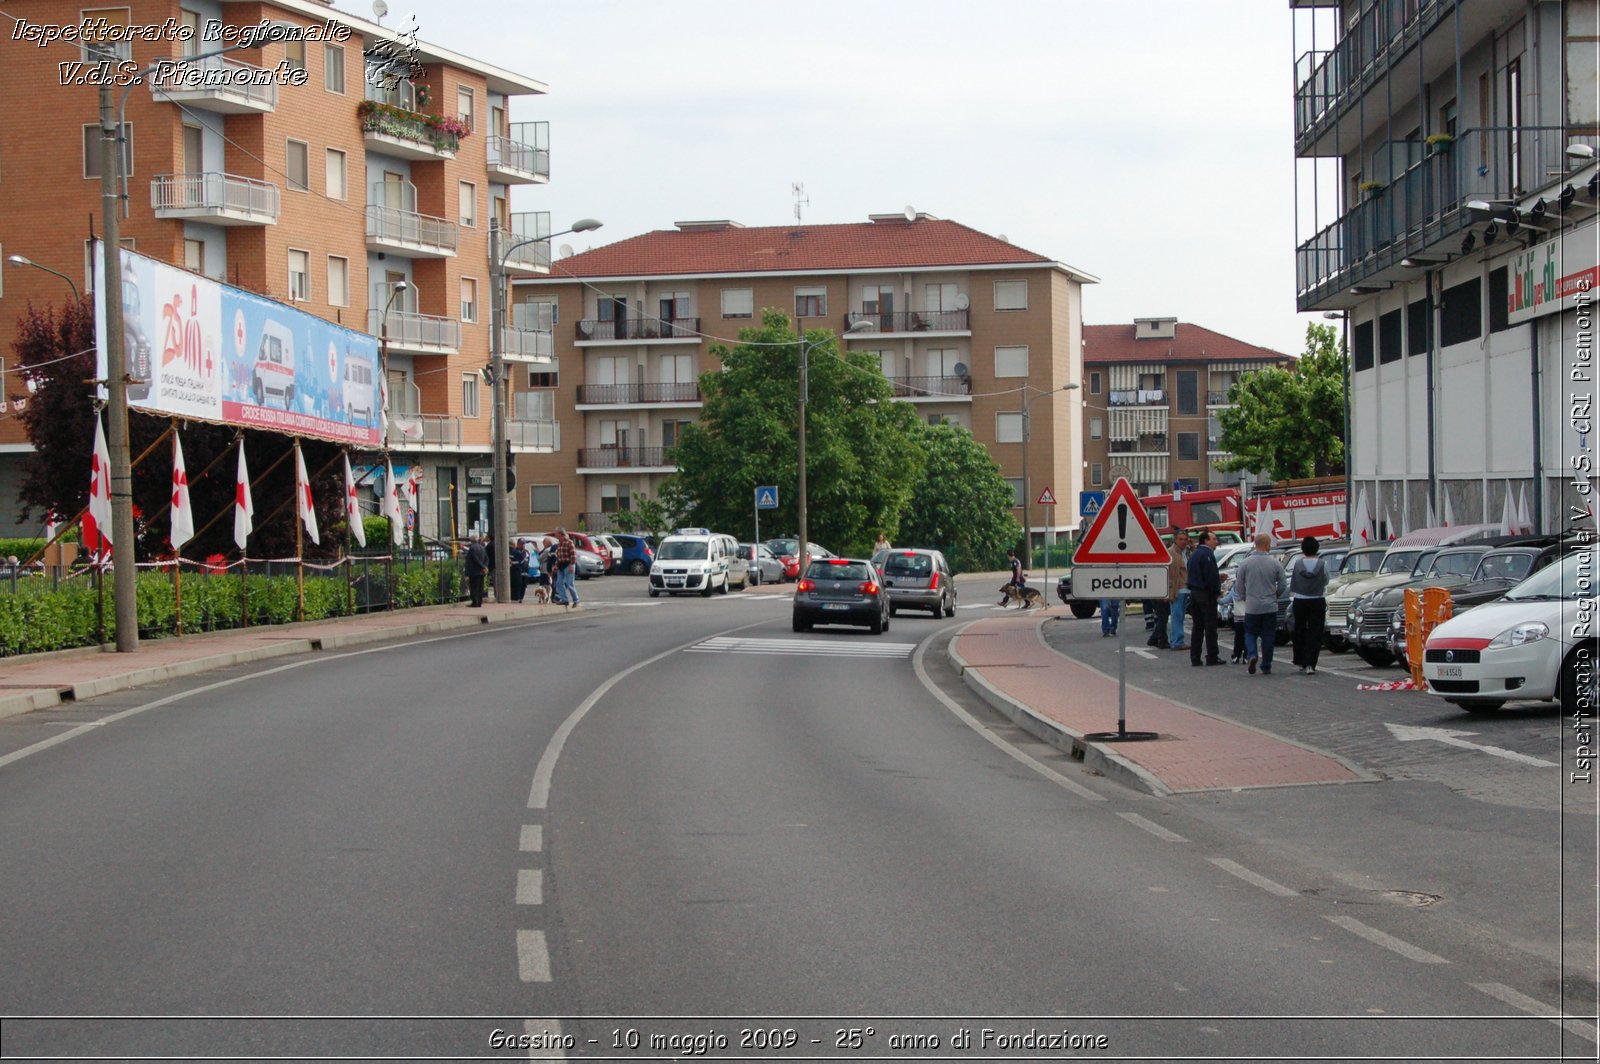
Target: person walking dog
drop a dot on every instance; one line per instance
(1308, 585)
(1259, 584)
(566, 569)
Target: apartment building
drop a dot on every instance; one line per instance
(966, 326)
(1152, 395)
(1447, 212)
(352, 200)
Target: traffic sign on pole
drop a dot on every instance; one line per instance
(1046, 497)
(1122, 533)
(766, 498)
(1090, 502)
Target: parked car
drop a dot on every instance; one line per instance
(693, 560)
(637, 554)
(607, 540)
(841, 591)
(587, 542)
(764, 566)
(917, 579)
(1228, 558)
(1524, 646)
(590, 564)
(1378, 565)
(788, 552)
(1367, 630)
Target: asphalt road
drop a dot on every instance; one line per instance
(682, 809)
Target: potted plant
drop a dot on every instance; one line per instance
(1440, 141)
(1372, 189)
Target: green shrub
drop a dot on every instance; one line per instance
(377, 529)
(22, 548)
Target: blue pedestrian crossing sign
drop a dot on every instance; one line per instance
(767, 498)
(1089, 502)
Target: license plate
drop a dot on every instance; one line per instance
(674, 583)
(1449, 672)
(835, 606)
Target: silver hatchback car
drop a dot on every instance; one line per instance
(917, 579)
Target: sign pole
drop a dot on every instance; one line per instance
(1122, 672)
(755, 499)
(1047, 544)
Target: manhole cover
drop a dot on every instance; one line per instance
(1349, 896)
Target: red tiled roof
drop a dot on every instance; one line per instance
(1116, 343)
(854, 246)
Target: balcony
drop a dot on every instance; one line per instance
(222, 199)
(636, 329)
(1217, 398)
(592, 459)
(533, 436)
(685, 393)
(408, 134)
(913, 321)
(1138, 397)
(523, 157)
(418, 431)
(531, 258)
(527, 345)
(1141, 445)
(940, 388)
(409, 234)
(217, 84)
(599, 521)
(417, 334)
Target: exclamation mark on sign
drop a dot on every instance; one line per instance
(1122, 526)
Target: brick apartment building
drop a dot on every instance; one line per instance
(297, 192)
(964, 325)
(1151, 400)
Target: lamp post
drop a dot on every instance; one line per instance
(804, 547)
(1343, 317)
(1027, 495)
(501, 527)
(112, 123)
(22, 260)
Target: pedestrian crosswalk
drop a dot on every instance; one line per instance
(840, 648)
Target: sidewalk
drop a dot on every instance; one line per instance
(39, 681)
(1005, 660)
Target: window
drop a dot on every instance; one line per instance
(95, 49)
(464, 106)
(811, 302)
(469, 299)
(1417, 327)
(294, 54)
(614, 498)
(190, 22)
(297, 165)
(336, 179)
(1499, 298)
(544, 498)
(672, 432)
(467, 202)
(543, 378)
(1011, 361)
(91, 150)
(469, 395)
(738, 303)
(877, 299)
(1096, 473)
(338, 281)
(1008, 427)
(1188, 446)
(299, 275)
(1460, 313)
(1188, 391)
(1389, 338)
(1011, 295)
(1094, 383)
(194, 255)
(333, 68)
(1096, 428)
(1016, 490)
(674, 306)
(939, 297)
(1361, 346)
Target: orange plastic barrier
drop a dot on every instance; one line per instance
(1425, 611)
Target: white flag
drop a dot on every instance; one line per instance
(97, 522)
(1433, 521)
(352, 508)
(182, 513)
(244, 508)
(1360, 521)
(1449, 516)
(1524, 515)
(391, 503)
(1508, 514)
(302, 489)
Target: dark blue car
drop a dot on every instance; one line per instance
(636, 554)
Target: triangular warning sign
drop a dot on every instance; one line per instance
(1046, 498)
(1122, 533)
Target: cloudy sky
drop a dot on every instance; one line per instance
(1146, 142)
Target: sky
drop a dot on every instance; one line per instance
(1148, 143)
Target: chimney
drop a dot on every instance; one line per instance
(1155, 328)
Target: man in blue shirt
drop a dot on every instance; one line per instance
(1205, 588)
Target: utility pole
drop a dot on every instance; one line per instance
(124, 553)
(501, 526)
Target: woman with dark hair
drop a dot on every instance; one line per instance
(1308, 581)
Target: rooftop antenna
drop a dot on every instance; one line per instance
(379, 10)
(801, 200)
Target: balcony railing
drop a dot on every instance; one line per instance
(1217, 398)
(598, 521)
(534, 434)
(625, 457)
(424, 430)
(410, 231)
(923, 387)
(410, 331)
(899, 321)
(222, 197)
(524, 155)
(1141, 445)
(603, 394)
(410, 127)
(217, 83)
(531, 257)
(526, 345)
(1139, 397)
(639, 329)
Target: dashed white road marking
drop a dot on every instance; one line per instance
(533, 957)
(1233, 868)
(1387, 941)
(1152, 827)
(828, 647)
(1539, 1008)
(530, 886)
(532, 839)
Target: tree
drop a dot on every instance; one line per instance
(962, 504)
(1290, 422)
(645, 515)
(863, 449)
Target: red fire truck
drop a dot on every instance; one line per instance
(1287, 511)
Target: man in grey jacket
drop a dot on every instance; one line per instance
(1259, 583)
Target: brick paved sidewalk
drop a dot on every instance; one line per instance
(1005, 660)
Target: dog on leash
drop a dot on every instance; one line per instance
(1029, 598)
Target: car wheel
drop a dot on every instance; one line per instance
(637, 567)
(1337, 644)
(894, 611)
(1377, 657)
(1083, 610)
(801, 626)
(755, 578)
(878, 625)
(950, 607)
(1579, 690)
(886, 624)
(723, 590)
(261, 394)
(1475, 705)
(654, 593)
(705, 592)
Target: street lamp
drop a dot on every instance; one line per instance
(859, 326)
(1343, 318)
(500, 511)
(22, 260)
(1027, 404)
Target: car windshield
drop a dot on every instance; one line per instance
(908, 565)
(1573, 577)
(842, 571)
(1461, 564)
(1334, 560)
(1399, 561)
(1510, 565)
(681, 550)
(1366, 561)
(783, 546)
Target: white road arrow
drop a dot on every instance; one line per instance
(1408, 734)
(1141, 652)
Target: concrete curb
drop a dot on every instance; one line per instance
(1108, 764)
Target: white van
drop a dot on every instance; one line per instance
(359, 394)
(693, 560)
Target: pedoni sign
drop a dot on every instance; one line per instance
(1541, 280)
(207, 351)
(1119, 581)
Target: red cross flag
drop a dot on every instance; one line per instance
(97, 522)
(391, 503)
(182, 513)
(302, 483)
(352, 508)
(244, 507)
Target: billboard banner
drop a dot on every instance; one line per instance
(199, 349)
(1543, 279)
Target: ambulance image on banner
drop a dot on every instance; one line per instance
(274, 370)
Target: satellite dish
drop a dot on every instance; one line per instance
(961, 369)
(379, 9)
(564, 251)
(911, 213)
(962, 302)
(1004, 239)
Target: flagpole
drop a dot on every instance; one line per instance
(299, 532)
